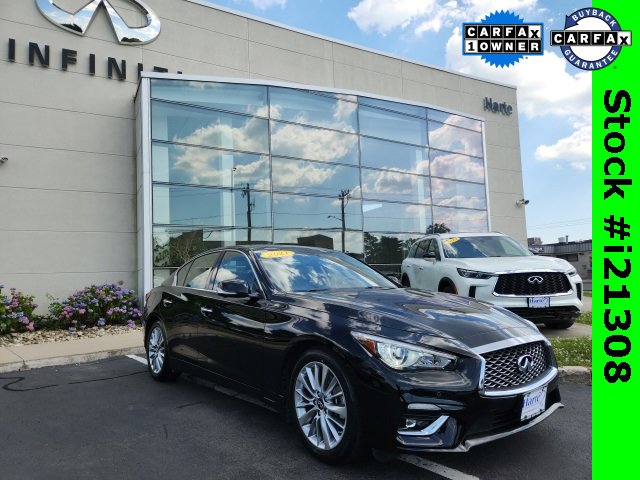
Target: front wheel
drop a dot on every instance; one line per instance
(157, 358)
(324, 408)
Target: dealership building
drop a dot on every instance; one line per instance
(136, 134)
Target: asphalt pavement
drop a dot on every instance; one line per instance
(109, 420)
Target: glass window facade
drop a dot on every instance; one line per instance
(233, 163)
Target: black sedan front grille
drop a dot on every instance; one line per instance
(501, 367)
(532, 283)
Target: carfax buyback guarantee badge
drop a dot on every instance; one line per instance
(502, 39)
(592, 38)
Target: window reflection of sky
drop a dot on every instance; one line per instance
(294, 211)
(193, 126)
(458, 194)
(451, 138)
(302, 149)
(392, 155)
(459, 220)
(303, 273)
(395, 185)
(300, 176)
(291, 140)
(205, 166)
(312, 109)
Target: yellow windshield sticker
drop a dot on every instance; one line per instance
(277, 254)
(451, 240)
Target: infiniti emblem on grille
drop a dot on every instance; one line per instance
(525, 363)
(535, 280)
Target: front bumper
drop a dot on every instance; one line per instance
(447, 416)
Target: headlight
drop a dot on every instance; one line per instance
(572, 272)
(473, 274)
(403, 356)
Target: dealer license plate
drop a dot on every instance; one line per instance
(534, 403)
(539, 302)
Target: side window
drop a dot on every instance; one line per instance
(235, 266)
(201, 270)
(422, 248)
(433, 248)
(412, 250)
(182, 273)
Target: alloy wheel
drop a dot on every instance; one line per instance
(156, 350)
(320, 405)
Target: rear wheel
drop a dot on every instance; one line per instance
(157, 358)
(324, 408)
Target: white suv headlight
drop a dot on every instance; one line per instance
(474, 274)
(404, 356)
(572, 272)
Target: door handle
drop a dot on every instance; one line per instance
(167, 302)
(206, 310)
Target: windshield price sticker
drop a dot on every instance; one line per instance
(277, 254)
(617, 261)
(449, 241)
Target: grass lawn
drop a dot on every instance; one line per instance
(584, 318)
(572, 351)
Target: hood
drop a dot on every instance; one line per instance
(512, 264)
(421, 312)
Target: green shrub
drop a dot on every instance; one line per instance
(97, 305)
(16, 312)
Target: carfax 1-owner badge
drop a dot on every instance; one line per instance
(592, 38)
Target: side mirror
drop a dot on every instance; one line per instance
(430, 255)
(234, 288)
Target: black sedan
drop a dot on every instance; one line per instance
(351, 358)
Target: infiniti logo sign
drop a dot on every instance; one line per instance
(535, 280)
(525, 363)
(80, 21)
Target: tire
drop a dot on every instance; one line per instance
(560, 324)
(447, 287)
(325, 413)
(157, 358)
(405, 281)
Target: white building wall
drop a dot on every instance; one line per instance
(68, 192)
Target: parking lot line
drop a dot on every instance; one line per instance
(436, 468)
(138, 359)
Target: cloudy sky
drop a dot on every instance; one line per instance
(554, 98)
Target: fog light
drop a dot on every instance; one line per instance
(410, 423)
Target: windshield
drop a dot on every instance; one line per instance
(479, 247)
(293, 270)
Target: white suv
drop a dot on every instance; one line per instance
(495, 268)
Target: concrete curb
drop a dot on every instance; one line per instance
(580, 375)
(69, 359)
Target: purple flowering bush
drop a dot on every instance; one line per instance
(16, 312)
(97, 305)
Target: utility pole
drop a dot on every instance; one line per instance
(251, 205)
(344, 200)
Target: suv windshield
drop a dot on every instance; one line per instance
(301, 271)
(478, 247)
